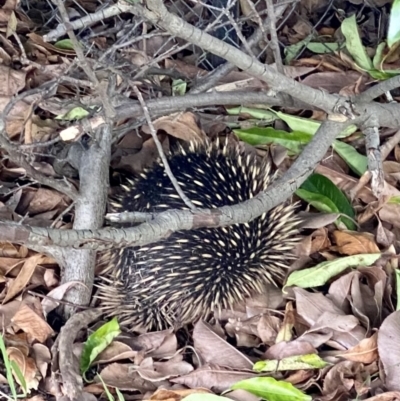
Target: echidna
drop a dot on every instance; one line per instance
(183, 278)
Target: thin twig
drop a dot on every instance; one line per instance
(109, 110)
(153, 132)
(274, 37)
(378, 90)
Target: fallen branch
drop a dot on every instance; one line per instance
(176, 220)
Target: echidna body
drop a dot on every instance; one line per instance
(191, 273)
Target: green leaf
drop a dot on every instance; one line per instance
(293, 141)
(320, 202)
(119, 394)
(297, 124)
(205, 397)
(77, 113)
(379, 55)
(7, 365)
(393, 35)
(354, 45)
(309, 361)
(395, 200)
(382, 75)
(106, 390)
(322, 48)
(323, 272)
(20, 376)
(308, 125)
(179, 87)
(292, 51)
(325, 196)
(357, 162)
(98, 342)
(272, 390)
(264, 115)
(65, 44)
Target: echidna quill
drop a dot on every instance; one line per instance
(185, 277)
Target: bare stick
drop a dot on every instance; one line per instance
(69, 368)
(385, 149)
(375, 166)
(171, 221)
(379, 89)
(157, 13)
(87, 21)
(172, 104)
(274, 37)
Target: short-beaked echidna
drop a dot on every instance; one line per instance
(183, 278)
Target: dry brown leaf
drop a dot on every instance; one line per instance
(94, 388)
(38, 42)
(384, 236)
(33, 324)
(160, 344)
(323, 315)
(342, 375)
(42, 357)
(267, 329)
(157, 371)
(179, 125)
(301, 376)
(50, 303)
(247, 340)
(8, 250)
(361, 292)
(333, 82)
(390, 213)
(365, 352)
(7, 312)
(44, 200)
(115, 352)
(163, 394)
(318, 220)
(148, 153)
(36, 398)
(50, 278)
(130, 141)
(27, 367)
(11, 81)
(213, 377)
(214, 349)
(354, 243)
(122, 377)
(389, 350)
(285, 332)
(286, 349)
(16, 117)
(23, 277)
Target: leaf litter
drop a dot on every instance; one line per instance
(336, 338)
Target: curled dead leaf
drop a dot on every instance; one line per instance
(366, 351)
(355, 243)
(33, 324)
